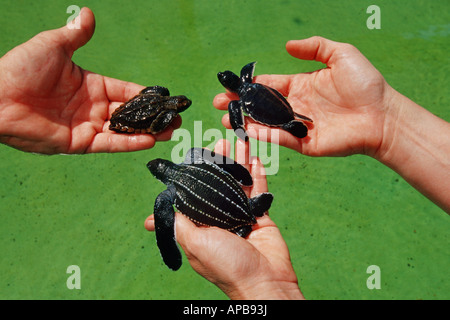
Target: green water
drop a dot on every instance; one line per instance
(337, 215)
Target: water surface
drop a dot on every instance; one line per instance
(337, 215)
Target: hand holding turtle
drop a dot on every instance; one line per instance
(355, 111)
(50, 105)
(346, 100)
(258, 267)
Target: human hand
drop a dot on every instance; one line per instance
(258, 267)
(347, 100)
(50, 105)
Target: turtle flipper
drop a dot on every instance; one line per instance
(239, 172)
(162, 121)
(242, 231)
(165, 229)
(157, 90)
(194, 155)
(202, 155)
(247, 72)
(237, 119)
(296, 128)
(260, 203)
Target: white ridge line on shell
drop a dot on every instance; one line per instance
(230, 181)
(229, 215)
(199, 211)
(217, 191)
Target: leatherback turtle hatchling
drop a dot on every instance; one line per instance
(151, 111)
(206, 188)
(262, 103)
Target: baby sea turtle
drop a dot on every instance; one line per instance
(151, 111)
(206, 188)
(262, 103)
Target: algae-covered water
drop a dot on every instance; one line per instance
(338, 215)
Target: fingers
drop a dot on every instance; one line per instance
(223, 147)
(180, 220)
(221, 101)
(279, 82)
(314, 48)
(252, 164)
(268, 134)
(186, 229)
(112, 142)
(259, 177)
(120, 91)
(109, 141)
(150, 223)
(242, 154)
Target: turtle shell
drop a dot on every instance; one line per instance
(151, 111)
(266, 105)
(207, 192)
(211, 197)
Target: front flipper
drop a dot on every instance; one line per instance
(165, 229)
(201, 155)
(242, 231)
(247, 72)
(162, 121)
(194, 155)
(237, 119)
(296, 128)
(260, 203)
(156, 90)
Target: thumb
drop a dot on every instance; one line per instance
(314, 48)
(186, 231)
(77, 32)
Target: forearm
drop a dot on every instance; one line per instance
(416, 144)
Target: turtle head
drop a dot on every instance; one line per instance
(158, 168)
(183, 103)
(229, 80)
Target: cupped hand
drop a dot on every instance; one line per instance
(258, 267)
(348, 100)
(50, 105)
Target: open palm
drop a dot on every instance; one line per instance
(50, 105)
(346, 100)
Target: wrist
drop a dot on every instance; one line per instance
(393, 109)
(416, 145)
(266, 290)
(409, 131)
